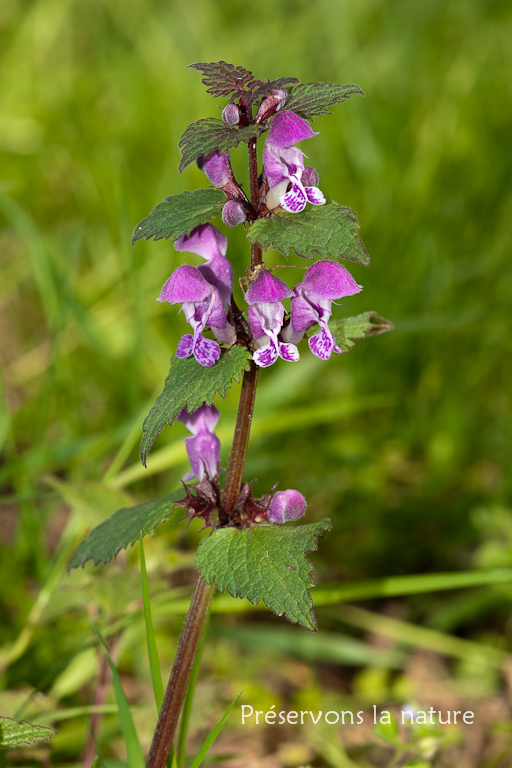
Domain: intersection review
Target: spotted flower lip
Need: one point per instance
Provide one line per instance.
(266, 315)
(285, 506)
(323, 282)
(203, 448)
(202, 305)
(284, 165)
(208, 242)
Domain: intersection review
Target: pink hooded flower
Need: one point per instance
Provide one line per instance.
(284, 164)
(202, 305)
(266, 315)
(323, 282)
(285, 506)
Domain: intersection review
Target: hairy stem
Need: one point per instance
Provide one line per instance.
(240, 439)
(182, 667)
(255, 195)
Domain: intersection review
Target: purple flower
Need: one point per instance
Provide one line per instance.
(217, 167)
(204, 447)
(231, 114)
(273, 102)
(284, 164)
(202, 305)
(323, 282)
(233, 213)
(286, 506)
(208, 242)
(266, 315)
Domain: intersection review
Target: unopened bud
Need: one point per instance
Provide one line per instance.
(271, 103)
(309, 177)
(286, 506)
(231, 114)
(217, 167)
(233, 213)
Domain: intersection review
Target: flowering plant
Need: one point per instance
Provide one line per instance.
(251, 552)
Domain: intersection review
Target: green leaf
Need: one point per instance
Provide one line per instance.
(311, 99)
(223, 79)
(20, 733)
(328, 231)
(210, 134)
(190, 385)
(351, 329)
(266, 563)
(124, 528)
(179, 214)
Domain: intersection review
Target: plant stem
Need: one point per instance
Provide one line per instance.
(240, 439)
(201, 599)
(182, 667)
(255, 194)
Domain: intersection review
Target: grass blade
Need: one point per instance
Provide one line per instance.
(131, 740)
(213, 735)
(154, 661)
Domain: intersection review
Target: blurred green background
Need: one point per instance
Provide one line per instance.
(404, 442)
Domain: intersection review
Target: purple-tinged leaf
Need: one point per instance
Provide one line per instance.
(223, 79)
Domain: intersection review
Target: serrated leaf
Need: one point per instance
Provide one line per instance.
(21, 733)
(189, 385)
(179, 214)
(265, 562)
(328, 231)
(351, 329)
(223, 79)
(124, 528)
(209, 134)
(310, 99)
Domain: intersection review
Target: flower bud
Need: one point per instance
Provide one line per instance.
(309, 177)
(285, 506)
(233, 213)
(231, 114)
(217, 167)
(271, 103)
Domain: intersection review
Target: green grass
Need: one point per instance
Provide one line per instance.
(404, 443)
